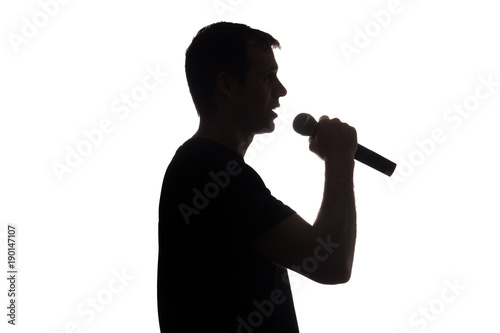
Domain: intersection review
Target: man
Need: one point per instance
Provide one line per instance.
(225, 243)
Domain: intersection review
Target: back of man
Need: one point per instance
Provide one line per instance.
(209, 280)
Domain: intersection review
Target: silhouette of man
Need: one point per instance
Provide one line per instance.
(225, 243)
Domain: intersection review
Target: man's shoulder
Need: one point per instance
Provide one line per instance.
(199, 161)
(202, 153)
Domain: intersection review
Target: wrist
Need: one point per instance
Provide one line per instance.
(339, 163)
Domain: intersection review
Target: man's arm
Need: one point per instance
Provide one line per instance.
(323, 251)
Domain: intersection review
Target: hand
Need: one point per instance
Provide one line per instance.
(334, 140)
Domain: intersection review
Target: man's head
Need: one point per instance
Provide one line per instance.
(232, 66)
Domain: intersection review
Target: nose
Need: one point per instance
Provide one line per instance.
(280, 90)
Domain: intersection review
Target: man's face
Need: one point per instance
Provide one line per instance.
(256, 100)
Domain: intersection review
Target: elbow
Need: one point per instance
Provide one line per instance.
(338, 275)
(341, 278)
(345, 276)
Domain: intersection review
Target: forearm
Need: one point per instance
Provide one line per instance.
(337, 215)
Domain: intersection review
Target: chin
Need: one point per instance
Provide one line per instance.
(268, 129)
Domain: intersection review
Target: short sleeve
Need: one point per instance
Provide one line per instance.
(258, 209)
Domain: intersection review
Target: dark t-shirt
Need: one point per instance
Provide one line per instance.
(212, 206)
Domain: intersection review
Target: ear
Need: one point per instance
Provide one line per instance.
(224, 84)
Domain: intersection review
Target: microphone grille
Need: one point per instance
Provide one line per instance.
(304, 124)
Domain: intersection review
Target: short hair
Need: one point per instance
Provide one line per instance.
(219, 47)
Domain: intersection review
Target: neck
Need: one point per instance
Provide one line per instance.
(225, 134)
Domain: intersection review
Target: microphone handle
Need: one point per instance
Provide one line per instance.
(374, 160)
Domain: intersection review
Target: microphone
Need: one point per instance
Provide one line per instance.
(305, 124)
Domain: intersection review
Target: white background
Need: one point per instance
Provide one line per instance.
(432, 224)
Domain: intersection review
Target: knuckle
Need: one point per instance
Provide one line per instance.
(322, 121)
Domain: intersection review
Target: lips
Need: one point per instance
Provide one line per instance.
(274, 114)
(273, 110)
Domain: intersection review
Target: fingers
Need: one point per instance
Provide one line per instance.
(333, 138)
(326, 119)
